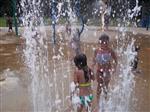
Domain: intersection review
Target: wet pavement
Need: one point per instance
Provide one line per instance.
(14, 89)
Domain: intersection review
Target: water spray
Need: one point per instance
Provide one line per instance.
(77, 12)
(54, 20)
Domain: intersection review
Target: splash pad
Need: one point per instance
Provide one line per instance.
(49, 69)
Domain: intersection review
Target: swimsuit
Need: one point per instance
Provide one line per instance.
(85, 84)
(85, 100)
(103, 58)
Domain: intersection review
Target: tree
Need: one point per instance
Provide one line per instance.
(5, 7)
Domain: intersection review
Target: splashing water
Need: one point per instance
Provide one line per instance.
(45, 95)
(135, 11)
(45, 86)
(120, 93)
(119, 97)
(36, 55)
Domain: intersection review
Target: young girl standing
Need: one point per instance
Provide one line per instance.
(103, 56)
(82, 79)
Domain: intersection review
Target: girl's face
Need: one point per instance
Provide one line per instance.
(103, 43)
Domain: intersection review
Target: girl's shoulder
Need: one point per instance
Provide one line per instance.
(78, 72)
(110, 49)
(97, 50)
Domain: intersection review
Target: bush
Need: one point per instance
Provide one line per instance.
(2, 22)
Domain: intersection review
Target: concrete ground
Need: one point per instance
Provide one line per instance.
(14, 96)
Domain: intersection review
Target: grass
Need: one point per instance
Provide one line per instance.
(2, 22)
(48, 21)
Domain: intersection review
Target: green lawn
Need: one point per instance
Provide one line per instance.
(2, 22)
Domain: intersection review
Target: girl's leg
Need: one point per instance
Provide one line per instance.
(106, 83)
(99, 90)
(107, 79)
(80, 108)
(89, 108)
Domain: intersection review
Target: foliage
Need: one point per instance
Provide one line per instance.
(5, 7)
(2, 22)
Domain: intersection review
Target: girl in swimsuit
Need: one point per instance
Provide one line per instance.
(103, 56)
(82, 79)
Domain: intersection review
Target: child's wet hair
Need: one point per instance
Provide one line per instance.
(104, 37)
(80, 60)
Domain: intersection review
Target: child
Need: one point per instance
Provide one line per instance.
(82, 79)
(134, 63)
(103, 56)
(10, 22)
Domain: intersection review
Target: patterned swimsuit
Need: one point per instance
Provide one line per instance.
(103, 58)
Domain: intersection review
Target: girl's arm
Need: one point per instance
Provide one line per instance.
(75, 77)
(75, 81)
(114, 57)
(74, 85)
